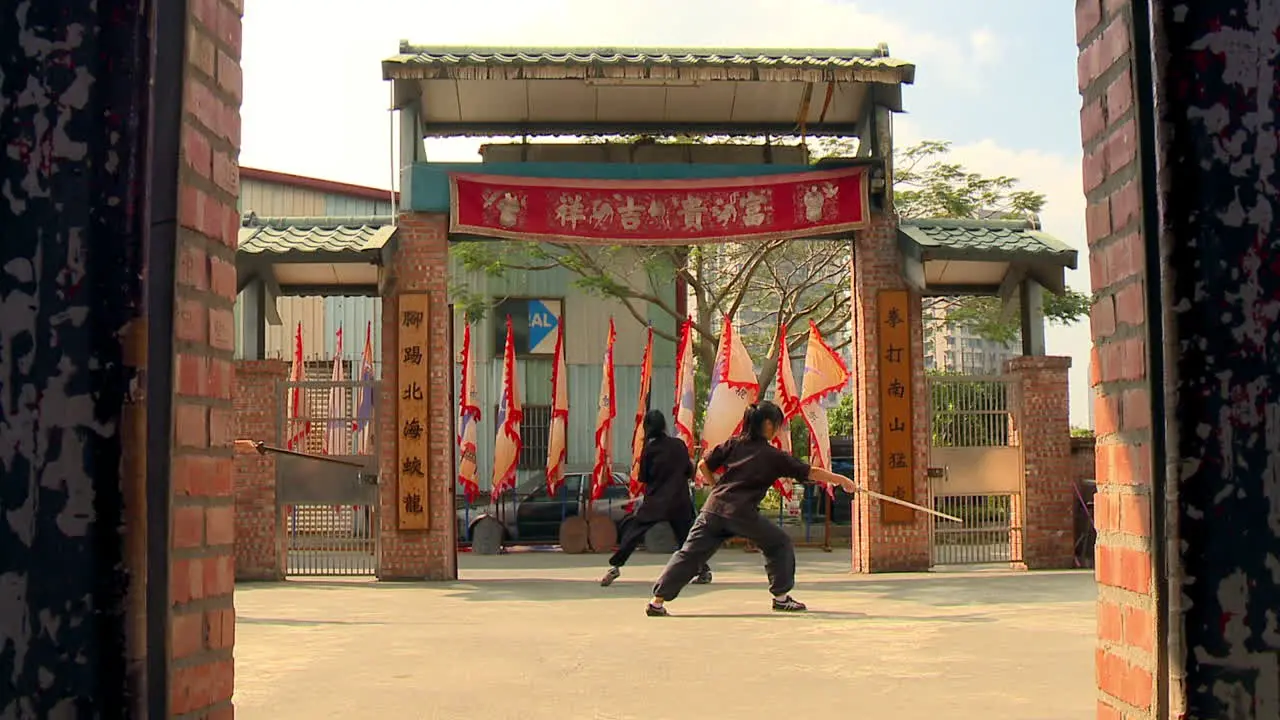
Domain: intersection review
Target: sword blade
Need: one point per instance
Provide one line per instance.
(913, 506)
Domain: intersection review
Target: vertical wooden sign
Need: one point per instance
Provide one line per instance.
(897, 458)
(411, 411)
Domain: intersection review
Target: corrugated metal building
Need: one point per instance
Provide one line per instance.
(585, 319)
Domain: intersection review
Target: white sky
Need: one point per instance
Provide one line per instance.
(315, 103)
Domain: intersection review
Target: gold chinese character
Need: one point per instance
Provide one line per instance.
(570, 211)
(692, 209)
(601, 212)
(413, 355)
(755, 208)
(897, 389)
(896, 425)
(630, 214)
(893, 354)
(412, 392)
(894, 318)
(897, 461)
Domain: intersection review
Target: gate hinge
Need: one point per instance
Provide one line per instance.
(368, 478)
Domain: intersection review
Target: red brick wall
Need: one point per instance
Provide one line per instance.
(1044, 431)
(1126, 623)
(878, 547)
(258, 402)
(420, 264)
(202, 563)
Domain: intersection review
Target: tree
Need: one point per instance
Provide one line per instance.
(928, 186)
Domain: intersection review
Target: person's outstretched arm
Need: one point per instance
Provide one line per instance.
(830, 478)
(708, 477)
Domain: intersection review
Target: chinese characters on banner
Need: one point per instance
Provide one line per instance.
(896, 445)
(660, 212)
(411, 411)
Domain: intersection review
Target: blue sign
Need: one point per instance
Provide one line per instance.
(544, 319)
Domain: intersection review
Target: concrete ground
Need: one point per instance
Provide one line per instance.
(532, 636)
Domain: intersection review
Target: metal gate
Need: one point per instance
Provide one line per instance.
(327, 490)
(975, 470)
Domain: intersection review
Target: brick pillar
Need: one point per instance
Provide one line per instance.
(420, 264)
(879, 546)
(1048, 501)
(202, 563)
(258, 402)
(1126, 660)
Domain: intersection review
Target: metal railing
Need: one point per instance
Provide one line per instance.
(331, 540)
(988, 534)
(971, 411)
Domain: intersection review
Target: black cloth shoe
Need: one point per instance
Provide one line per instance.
(703, 578)
(790, 604)
(610, 576)
(656, 611)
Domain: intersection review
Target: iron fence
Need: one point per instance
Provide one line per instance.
(971, 411)
(331, 540)
(987, 535)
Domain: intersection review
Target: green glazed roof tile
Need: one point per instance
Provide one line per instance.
(976, 239)
(309, 235)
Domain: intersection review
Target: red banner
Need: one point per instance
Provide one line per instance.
(659, 212)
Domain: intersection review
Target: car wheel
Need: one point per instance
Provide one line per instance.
(660, 539)
(487, 535)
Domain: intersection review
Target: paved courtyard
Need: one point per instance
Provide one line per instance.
(533, 637)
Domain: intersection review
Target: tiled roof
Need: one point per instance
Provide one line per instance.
(311, 235)
(985, 240)
(864, 65)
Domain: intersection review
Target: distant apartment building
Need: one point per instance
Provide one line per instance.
(958, 349)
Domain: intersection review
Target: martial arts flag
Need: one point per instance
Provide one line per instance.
(606, 411)
(363, 426)
(788, 398)
(642, 406)
(468, 421)
(684, 408)
(557, 434)
(507, 446)
(332, 444)
(824, 373)
(298, 429)
(734, 387)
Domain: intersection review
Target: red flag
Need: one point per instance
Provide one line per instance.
(788, 399)
(734, 386)
(606, 411)
(824, 373)
(642, 406)
(507, 446)
(297, 434)
(468, 420)
(683, 412)
(333, 434)
(557, 436)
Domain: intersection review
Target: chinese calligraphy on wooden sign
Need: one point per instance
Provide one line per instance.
(896, 442)
(663, 212)
(411, 411)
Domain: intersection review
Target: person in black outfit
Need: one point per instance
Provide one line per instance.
(750, 464)
(665, 470)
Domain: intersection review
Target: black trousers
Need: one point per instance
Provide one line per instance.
(707, 535)
(681, 522)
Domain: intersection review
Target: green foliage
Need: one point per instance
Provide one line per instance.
(927, 186)
(840, 417)
(1082, 432)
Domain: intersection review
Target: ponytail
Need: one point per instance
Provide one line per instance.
(754, 417)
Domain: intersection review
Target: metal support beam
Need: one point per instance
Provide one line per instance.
(253, 320)
(1032, 311)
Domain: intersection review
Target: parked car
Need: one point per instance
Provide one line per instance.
(529, 515)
